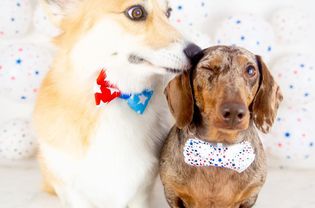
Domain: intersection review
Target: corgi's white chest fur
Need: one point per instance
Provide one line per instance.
(125, 144)
(120, 160)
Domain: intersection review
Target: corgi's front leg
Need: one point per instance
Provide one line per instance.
(141, 199)
(143, 196)
(71, 198)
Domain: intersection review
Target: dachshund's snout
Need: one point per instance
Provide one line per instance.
(233, 114)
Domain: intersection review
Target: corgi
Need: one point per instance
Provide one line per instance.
(96, 156)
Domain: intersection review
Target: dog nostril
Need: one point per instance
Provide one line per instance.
(192, 51)
(240, 116)
(226, 114)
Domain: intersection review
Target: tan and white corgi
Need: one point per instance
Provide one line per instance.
(107, 156)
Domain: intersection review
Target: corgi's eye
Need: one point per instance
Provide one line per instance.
(169, 12)
(136, 13)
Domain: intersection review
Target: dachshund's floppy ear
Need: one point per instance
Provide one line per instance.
(180, 99)
(58, 9)
(267, 99)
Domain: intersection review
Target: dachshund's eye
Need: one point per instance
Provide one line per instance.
(169, 12)
(136, 13)
(251, 71)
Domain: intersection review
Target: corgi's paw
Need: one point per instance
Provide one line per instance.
(141, 200)
(70, 198)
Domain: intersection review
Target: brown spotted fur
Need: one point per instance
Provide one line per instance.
(219, 77)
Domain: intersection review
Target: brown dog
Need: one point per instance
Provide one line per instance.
(230, 90)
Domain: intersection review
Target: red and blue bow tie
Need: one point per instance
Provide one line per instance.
(106, 92)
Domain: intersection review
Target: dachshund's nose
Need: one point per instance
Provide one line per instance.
(233, 113)
(193, 52)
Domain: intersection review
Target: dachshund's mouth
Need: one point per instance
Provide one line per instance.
(225, 134)
(226, 137)
(134, 59)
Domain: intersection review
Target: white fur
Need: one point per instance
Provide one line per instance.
(104, 44)
(121, 162)
(122, 159)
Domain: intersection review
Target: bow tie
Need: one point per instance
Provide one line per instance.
(237, 157)
(106, 92)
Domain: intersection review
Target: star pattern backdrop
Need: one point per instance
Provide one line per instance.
(282, 36)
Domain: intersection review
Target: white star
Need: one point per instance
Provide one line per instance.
(142, 99)
(112, 90)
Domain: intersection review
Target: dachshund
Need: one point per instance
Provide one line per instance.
(213, 157)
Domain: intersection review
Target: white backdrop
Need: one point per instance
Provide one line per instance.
(217, 10)
(21, 186)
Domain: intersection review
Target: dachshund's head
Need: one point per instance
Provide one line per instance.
(228, 88)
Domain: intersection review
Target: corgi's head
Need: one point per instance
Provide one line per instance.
(128, 38)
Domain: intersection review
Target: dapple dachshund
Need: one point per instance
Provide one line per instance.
(213, 157)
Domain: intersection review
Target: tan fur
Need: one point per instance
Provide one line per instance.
(219, 77)
(90, 12)
(63, 96)
(65, 107)
(47, 177)
(72, 113)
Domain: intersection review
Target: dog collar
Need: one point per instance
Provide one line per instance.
(237, 157)
(105, 92)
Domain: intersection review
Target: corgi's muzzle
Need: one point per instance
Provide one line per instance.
(167, 59)
(134, 59)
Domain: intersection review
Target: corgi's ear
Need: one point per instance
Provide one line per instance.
(58, 9)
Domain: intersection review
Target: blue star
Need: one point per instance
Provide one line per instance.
(18, 61)
(287, 134)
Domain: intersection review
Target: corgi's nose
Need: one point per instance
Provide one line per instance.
(193, 52)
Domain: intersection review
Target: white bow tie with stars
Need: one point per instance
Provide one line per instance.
(237, 157)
